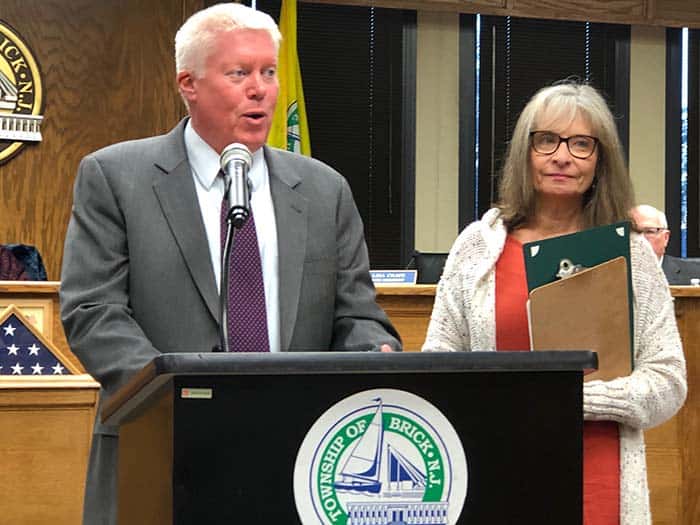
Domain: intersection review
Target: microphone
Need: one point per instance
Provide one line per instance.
(235, 163)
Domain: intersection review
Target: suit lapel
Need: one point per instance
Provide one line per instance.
(291, 214)
(670, 265)
(178, 201)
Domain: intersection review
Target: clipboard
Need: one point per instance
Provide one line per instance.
(586, 248)
(562, 258)
(587, 311)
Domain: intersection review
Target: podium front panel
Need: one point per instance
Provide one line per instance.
(235, 452)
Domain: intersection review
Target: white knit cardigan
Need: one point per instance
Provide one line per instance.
(464, 318)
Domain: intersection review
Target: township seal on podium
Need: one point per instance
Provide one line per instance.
(381, 457)
(21, 94)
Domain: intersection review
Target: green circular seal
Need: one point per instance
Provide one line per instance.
(380, 457)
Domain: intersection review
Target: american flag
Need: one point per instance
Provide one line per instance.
(23, 354)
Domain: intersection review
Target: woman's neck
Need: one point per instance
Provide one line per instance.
(551, 220)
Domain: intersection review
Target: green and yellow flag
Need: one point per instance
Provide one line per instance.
(290, 129)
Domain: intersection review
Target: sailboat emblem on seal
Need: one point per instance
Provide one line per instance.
(361, 470)
(381, 457)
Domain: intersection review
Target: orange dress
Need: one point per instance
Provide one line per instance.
(601, 440)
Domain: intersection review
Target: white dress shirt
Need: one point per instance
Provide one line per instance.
(210, 190)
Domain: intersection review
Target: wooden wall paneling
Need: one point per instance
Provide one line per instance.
(108, 74)
(669, 13)
(493, 7)
(675, 13)
(616, 11)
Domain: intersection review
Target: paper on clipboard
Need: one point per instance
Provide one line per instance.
(587, 311)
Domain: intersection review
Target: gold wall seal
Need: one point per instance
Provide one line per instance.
(21, 94)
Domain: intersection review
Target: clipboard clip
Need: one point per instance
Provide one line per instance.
(567, 268)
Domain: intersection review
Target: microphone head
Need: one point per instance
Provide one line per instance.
(235, 152)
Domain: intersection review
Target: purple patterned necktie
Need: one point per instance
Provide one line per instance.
(247, 316)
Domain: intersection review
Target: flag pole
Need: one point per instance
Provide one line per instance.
(252, 4)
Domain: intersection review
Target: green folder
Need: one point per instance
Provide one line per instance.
(547, 260)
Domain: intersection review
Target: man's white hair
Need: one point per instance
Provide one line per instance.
(645, 210)
(194, 40)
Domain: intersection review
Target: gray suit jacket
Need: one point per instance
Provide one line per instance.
(680, 271)
(137, 279)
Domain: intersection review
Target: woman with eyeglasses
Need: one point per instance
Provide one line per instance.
(564, 172)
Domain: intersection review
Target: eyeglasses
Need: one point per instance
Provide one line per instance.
(546, 143)
(652, 231)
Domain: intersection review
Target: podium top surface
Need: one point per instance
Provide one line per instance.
(352, 362)
(166, 366)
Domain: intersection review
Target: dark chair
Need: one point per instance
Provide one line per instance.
(30, 257)
(429, 266)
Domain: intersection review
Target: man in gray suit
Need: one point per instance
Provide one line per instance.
(141, 263)
(653, 224)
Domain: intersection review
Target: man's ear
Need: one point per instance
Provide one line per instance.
(186, 85)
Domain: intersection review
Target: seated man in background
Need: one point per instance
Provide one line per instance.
(11, 268)
(653, 224)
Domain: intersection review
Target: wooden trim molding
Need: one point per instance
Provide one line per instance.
(667, 13)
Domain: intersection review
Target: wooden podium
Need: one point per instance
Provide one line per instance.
(45, 420)
(212, 438)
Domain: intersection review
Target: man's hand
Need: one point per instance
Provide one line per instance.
(386, 348)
